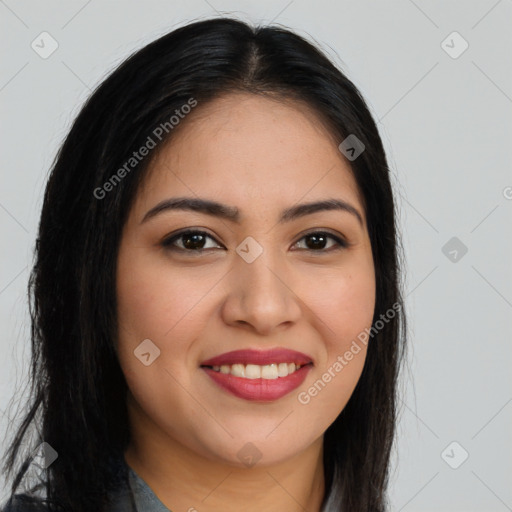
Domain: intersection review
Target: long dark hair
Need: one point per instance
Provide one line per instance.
(77, 386)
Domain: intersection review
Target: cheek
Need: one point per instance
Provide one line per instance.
(352, 307)
(156, 300)
(165, 305)
(344, 308)
(345, 304)
(161, 305)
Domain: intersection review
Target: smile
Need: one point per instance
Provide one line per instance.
(258, 375)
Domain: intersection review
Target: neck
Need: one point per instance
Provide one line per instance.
(184, 480)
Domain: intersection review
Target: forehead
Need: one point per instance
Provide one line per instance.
(244, 148)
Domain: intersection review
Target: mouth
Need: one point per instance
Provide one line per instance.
(258, 375)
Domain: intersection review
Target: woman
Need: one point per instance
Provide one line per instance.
(217, 321)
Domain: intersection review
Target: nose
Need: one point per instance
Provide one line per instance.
(260, 296)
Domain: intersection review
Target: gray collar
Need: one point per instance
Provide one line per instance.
(143, 496)
(134, 495)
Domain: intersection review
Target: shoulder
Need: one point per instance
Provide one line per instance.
(24, 503)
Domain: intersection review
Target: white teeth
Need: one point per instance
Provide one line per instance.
(254, 371)
(282, 369)
(269, 371)
(238, 370)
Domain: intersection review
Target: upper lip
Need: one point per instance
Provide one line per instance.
(259, 357)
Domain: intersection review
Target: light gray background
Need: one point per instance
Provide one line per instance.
(446, 126)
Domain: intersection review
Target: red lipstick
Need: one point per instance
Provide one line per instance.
(259, 389)
(260, 357)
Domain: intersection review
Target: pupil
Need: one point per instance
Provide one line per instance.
(191, 245)
(317, 237)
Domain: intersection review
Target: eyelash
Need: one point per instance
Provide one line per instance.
(168, 243)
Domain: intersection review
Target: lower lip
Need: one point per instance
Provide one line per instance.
(261, 390)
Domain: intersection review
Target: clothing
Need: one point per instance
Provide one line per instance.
(139, 497)
(136, 497)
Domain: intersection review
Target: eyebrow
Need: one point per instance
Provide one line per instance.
(231, 213)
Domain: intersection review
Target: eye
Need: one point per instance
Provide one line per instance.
(318, 239)
(193, 241)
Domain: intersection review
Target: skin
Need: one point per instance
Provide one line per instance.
(262, 156)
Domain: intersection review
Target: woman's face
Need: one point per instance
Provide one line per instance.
(267, 286)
